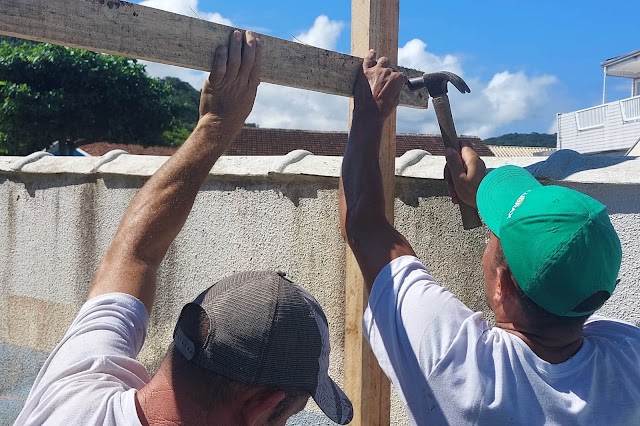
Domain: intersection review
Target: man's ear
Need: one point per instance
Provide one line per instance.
(506, 283)
(259, 404)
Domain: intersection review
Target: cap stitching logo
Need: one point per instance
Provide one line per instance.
(517, 204)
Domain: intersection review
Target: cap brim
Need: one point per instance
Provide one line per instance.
(499, 191)
(333, 401)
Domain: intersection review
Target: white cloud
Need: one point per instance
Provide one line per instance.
(508, 98)
(288, 108)
(285, 107)
(324, 33)
(414, 54)
(186, 7)
(193, 77)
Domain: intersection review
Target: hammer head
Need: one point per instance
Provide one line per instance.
(436, 83)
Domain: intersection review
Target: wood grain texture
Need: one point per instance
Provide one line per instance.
(140, 32)
(374, 25)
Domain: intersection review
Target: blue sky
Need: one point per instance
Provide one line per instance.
(525, 61)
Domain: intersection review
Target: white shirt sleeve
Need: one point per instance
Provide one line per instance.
(109, 325)
(87, 377)
(410, 323)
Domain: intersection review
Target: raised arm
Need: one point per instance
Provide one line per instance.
(159, 210)
(374, 241)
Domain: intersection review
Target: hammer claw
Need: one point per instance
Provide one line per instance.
(458, 82)
(436, 85)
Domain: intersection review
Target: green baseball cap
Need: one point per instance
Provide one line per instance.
(559, 243)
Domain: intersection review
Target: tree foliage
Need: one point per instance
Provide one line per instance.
(543, 140)
(184, 101)
(50, 93)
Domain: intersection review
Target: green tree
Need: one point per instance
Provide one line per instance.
(542, 140)
(184, 101)
(50, 93)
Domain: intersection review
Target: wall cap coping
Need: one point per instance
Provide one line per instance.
(564, 165)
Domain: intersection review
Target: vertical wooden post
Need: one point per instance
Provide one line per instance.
(374, 25)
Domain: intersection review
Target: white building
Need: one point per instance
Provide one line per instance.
(612, 127)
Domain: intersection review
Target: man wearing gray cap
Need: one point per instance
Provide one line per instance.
(249, 350)
(552, 259)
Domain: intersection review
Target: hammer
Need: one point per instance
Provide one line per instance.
(436, 85)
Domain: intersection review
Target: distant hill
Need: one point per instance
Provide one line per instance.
(544, 140)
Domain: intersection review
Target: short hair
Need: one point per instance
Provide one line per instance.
(539, 316)
(291, 397)
(208, 388)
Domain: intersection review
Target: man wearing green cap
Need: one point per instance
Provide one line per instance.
(552, 259)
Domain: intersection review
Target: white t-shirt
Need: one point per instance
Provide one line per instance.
(451, 367)
(91, 377)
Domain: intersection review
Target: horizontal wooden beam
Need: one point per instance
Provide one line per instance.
(135, 31)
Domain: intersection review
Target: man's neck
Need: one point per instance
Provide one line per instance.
(555, 345)
(159, 403)
(155, 408)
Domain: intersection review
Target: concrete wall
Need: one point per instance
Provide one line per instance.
(58, 215)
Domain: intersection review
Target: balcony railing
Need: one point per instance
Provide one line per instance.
(591, 118)
(614, 126)
(630, 109)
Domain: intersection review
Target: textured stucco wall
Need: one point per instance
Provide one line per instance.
(57, 217)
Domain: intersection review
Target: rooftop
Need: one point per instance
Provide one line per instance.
(269, 142)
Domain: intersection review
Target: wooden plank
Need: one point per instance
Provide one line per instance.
(135, 31)
(374, 25)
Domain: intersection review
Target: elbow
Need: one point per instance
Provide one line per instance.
(358, 225)
(343, 230)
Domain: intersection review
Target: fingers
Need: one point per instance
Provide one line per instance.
(240, 59)
(465, 170)
(450, 187)
(455, 163)
(474, 164)
(219, 66)
(234, 58)
(380, 80)
(249, 52)
(391, 90)
(369, 59)
(384, 62)
(256, 71)
(467, 152)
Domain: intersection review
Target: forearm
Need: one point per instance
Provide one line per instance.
(157, 214)
(159, 210)
(361, 190)
(372, 238)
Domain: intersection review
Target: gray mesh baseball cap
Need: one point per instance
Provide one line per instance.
(264, 330)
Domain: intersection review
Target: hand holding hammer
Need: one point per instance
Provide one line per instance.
(436, 84)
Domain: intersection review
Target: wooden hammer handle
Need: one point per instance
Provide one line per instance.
(470, 217)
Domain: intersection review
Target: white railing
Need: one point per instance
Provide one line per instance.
(630, 109)
(591, 118)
